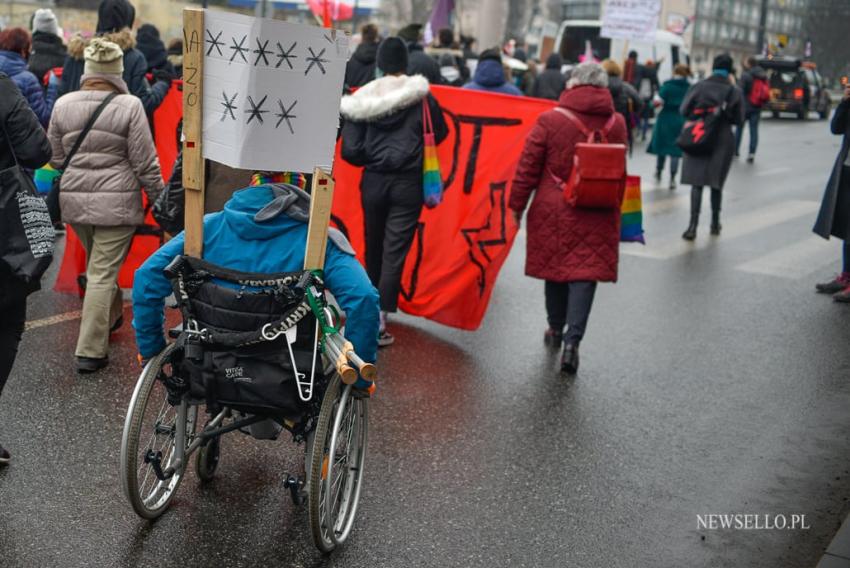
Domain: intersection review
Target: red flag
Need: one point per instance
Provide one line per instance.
(461, 245)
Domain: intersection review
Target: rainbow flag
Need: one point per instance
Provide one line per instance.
(631, 222)
(44, 179)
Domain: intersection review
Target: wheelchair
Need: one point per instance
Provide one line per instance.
(255, 351)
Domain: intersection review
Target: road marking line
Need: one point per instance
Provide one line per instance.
(738, 226)
(796, 260)
(773, 171)
(53, 320)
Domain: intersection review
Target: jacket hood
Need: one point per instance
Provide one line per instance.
(151, 46)
(384, 96)
(489, 73)
(366, 53)
(554, 61)
(588, 99)
(123, 38)
(100, 79)
(239, 214)
(12, 63)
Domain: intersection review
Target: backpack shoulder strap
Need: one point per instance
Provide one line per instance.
(575, 120)
(609, 125)
(86, 129)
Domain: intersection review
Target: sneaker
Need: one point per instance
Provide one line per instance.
(5, 457)
(91, 364)
(751, 158)
(843, 296)
(385, 338)
(553, 338)
(834, 286)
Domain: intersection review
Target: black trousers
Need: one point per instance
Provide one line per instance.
(568, 304)
(391, 207)
(12, 319)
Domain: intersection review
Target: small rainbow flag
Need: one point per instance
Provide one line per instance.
(631, 222)
(44, 179)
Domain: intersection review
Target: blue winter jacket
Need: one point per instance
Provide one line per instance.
(15, 66)
(490, 76)
(233, 239)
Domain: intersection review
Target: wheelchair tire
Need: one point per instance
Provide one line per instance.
(206, 462)
(151, 421)
(342, 431)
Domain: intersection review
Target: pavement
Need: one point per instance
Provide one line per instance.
(714, 381)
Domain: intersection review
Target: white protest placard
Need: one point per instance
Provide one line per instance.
(271, 92)
(631, 19)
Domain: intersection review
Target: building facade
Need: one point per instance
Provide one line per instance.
(732, 26)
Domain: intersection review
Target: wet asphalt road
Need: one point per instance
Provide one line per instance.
(713, 380)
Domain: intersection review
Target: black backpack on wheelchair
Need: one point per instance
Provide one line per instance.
(249, 341)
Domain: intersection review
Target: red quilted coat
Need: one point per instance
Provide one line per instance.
(566, 243)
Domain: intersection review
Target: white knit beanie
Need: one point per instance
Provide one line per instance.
(104, 57)
(44, 21)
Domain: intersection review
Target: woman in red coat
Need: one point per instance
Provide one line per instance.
(570, 248)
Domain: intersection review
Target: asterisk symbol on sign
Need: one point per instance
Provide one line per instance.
(228, 105)
(285, 55)
(284, 115)
(261, 51)
(256, 110)
(214, 43)
(316, 60)
(240, 48)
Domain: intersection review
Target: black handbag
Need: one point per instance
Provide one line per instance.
(700, 132)
(53, 196)
(169, 207)
(26, 232)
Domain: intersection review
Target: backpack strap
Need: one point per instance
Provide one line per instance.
(603, 132)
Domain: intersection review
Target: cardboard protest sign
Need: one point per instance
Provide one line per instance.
(271, 92)
(631, 19)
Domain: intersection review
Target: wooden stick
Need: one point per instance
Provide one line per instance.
(193, 123)
(321, 199)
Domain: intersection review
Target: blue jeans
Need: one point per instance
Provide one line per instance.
(753, 120)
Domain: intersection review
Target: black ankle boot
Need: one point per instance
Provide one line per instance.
(715, 223)
(569, 359)
(691, 232)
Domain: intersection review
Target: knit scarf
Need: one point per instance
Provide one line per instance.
(294, 178)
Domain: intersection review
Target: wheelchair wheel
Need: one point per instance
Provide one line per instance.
(336, 469)
(207, 459)
(150, 432)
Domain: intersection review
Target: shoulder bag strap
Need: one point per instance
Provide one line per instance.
(427, 126)
(86, 129)
(11, 147)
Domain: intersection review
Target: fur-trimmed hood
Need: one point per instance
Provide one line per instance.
(383, 97)
(124, 39)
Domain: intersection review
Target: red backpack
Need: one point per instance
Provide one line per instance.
(598, 177)
(759, 93)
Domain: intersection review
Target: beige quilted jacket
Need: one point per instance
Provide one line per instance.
(102, 185)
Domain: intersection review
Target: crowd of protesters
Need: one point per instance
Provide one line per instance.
(84, 109)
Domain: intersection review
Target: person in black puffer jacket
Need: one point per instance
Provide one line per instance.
(419, 62)
(361, 67)
(151, 46)
(32, 149)
(48, 51)
(114, 20)
(383, 133)
(550, 84)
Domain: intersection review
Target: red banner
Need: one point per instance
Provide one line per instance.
(460, 245)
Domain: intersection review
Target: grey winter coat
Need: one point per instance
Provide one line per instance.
(834, 216)
(711, 170)
(103, 181)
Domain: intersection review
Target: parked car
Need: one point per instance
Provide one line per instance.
(795, 87)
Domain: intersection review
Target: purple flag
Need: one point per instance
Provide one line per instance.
(439, 18)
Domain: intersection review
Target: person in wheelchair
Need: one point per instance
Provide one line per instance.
(262, 229)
